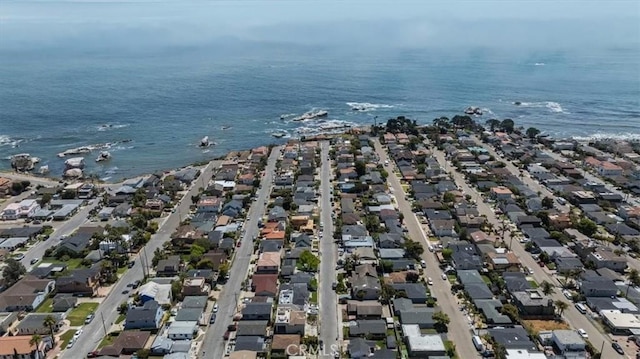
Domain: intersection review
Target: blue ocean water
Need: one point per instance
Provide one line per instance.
(164, 100)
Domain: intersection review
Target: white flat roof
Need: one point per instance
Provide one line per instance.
(621, 320)
(524, 354)
(426, 343)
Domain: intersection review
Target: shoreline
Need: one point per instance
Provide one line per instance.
(47, 178)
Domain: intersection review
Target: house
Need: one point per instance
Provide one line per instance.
(250, 343)
(268, 263)
(593, 285)
(533, 303)
(621, 323)
(20, 347)
(512, 338)
(515, 281)
(569, 343)
(182, 330)
(502, 260)
(416, 292)
(443, 228)
(464, 256)
(195, 302)
(372, 329)
(75, 244)
(64, 302)
(420, 316)
(265, 284)
(423, 345)
(128, 342)
(289, 321)
(80, 282)
(252, 328)
(32, 323)
(26, 294)
(371, 309)
(609, 169)
(603, 258)
(161, 293)
(195, 286)
(365, 284)
(148, 316)
(257, 311)
(168, 267)
(284, 345)
(501, 193)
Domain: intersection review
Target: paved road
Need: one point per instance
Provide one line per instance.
(60, 229)
(459, 329)
(329, 330)
(525, 177)
(107, 313)
(213, 343)
(575, 318)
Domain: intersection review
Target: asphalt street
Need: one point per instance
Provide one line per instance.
(573, 317)
(213, 345)
(459, 327)
(107, 313)
(330, 325)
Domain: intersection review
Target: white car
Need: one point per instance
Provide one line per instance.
(430, 248)
(444, 276)
(215, 308)
(583, 333)
(423, 263)
(70, 345)
(77, 334)
(430, 281)
(567, 294)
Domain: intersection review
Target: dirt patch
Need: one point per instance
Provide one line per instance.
(539, 325)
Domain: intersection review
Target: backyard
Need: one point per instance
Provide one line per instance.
(79, 314)
(46, 306)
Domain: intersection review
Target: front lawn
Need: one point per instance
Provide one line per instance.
(46, 306)
(314, 298)
(120, 318)
(79, 314)
(533, 284)
(65, 338)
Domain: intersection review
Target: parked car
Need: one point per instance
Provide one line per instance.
(93, 354)
(19, 257)
(444, 276)
(423, 263)
(126, 291)
(215, 308)
(430, 281)
(89, 318)
(583, 333)
(77, 334)
(34, 260)
(131, 264)
(212, 319)
(618, 348)
(70, 345)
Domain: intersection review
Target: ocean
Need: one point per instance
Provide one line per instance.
(153, 105)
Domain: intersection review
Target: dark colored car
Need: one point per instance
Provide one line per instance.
(212, 319)
(126, 291)
(93, 354)
(617, 348)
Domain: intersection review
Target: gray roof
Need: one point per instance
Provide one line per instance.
(257, 308)
(251, 343)
(413, 290)
(188, 315)
(252, 328)
(195, 302)
(364, 327)
(35, 320)
(513, 338)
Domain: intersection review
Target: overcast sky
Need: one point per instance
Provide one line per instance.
(399, 22)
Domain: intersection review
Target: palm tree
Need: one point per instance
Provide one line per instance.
(634, 279)
(35, 341)
(561, 306)
(547, 288)
(503, 228)
(50, 322)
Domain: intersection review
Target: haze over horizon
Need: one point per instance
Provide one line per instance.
(358, 25)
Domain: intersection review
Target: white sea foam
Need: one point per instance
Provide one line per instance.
(604, 135)
(110, 126)
(8, 141)
(366, 106)
(539, 64)
(550, 105)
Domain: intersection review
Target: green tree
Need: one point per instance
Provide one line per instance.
(511, 311)
(387, 292)
(449, 197)
(507, 125)
(413, 249)
(12, 271)
(223, 270)
(493, 124)
(35, 340)
(547, 288)
(45, 199)
(634, 279)
(532, 132)
(587, 227)
(308, 262)
(441, 321)
(447, 253)
(361, 168)
(412, 277)
(547, 202)
(50, 323)
(561, 306)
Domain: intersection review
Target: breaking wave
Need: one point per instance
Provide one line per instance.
(109, 126)
(550, 105)
(614, 136)
(366, 106)
(539, 64)
(8, 141)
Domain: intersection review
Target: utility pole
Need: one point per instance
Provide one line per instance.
(104, 327)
